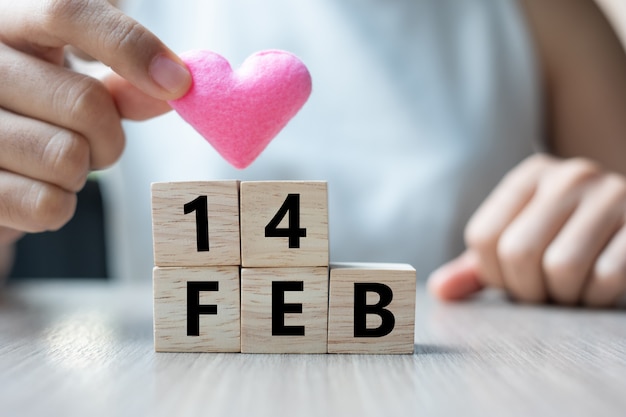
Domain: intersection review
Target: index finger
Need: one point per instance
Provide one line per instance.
(102, 31)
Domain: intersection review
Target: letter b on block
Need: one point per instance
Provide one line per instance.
(371, 308)
(362, 309)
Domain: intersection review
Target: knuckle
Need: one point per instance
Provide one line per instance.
(560, 267)
(55, 11)
(52, 207)
(609, 276)
(85, 99)
(516, 252)
(480, 238)
(516, 179)
(127, 33)
(519, 177)
(68, 156)
(579, 170)
(582, 166)
(538, 160)
(570, 175)
(617, 184)
(90, 106)
(565, 274)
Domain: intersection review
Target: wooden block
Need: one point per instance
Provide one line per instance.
(196, 223)
(196, 309)
(284, 310)
(284, 223)
(371, 308)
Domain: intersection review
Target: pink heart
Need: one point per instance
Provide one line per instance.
(240, 112)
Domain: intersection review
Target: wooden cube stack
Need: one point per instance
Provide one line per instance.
(244, 267)
(196, 252)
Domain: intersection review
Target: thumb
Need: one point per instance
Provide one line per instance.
(103, 32)
(456, 280)
(131, 102)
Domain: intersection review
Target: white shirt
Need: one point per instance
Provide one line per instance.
(418, 108)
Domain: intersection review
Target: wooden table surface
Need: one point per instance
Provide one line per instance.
(86, 349)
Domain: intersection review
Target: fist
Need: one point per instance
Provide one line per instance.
(553, 230)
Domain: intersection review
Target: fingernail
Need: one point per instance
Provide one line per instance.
(169, 74)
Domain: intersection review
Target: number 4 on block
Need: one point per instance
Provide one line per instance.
(284, 223)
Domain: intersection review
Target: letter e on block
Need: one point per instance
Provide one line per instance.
(196, 309)
(284, 310)
(371, 308)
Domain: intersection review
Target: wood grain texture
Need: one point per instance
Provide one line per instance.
(217, 332)
(400, 279)
(256, 310)
(75, 349)
(260, 201)
(174, 232)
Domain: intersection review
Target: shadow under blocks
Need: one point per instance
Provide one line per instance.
(244, 267)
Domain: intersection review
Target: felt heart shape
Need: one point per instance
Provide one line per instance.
(240, 112)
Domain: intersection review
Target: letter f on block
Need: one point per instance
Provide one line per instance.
(194, 308)
(362, 309)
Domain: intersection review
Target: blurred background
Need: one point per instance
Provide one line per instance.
(79, 250)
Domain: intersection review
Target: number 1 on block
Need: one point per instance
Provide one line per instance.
(208, 238)
(200, 206)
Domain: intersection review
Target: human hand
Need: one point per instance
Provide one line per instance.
(7, 251)
(55, 124)
(552, 230)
